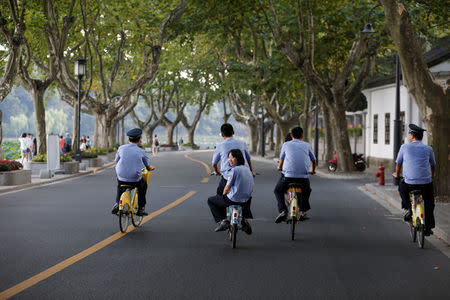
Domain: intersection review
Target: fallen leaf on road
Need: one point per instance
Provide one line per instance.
(436, 268)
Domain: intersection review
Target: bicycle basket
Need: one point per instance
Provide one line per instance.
(146, 175)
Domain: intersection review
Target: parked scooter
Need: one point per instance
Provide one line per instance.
(358, 161)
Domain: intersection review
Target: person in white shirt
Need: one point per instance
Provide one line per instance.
(24, 147)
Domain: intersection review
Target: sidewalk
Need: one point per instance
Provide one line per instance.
(37, 181)
(387, 193)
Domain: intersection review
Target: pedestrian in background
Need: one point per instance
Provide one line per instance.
(68, 141)
(34, 145)
(62, 145)
(23, 147)
(82, 145)
(155, 145)
(30, 146)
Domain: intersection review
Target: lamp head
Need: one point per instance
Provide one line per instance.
(80, 67)
(368, 29)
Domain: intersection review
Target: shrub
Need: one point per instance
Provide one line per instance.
(355, 131)
(9, 165)
(190, 145)
(112, 149)
(147, 145)
(11, 150)
(43, 158)
(167, 145)
(65, 157)
(97, 151)
(87, 154)
(40, 158)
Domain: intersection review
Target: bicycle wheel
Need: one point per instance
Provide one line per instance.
(293, 223)
(332, 167)
(421, 237)
(123, 219)
(230, 233)
(234, 235)
(413, 232)
(135, 219)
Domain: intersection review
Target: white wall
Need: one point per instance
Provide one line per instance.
(381, 100)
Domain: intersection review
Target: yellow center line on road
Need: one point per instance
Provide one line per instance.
(208, 170)
(12, 291)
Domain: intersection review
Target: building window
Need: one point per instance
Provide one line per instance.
(402, 118)
(375, 129)
(387, 128)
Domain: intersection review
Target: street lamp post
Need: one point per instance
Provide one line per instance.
(80, 71)
(397, 121)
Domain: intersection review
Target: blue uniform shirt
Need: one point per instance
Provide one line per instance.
(297, 157)
(416, 159)
(221, 154)
(240, 179)
(130, 161)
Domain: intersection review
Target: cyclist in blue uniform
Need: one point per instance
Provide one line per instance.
(418, 164)
(295, 159)
(238, 190)
(221, 154)
(130, 160)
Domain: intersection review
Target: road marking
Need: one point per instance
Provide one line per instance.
(12, 291)
(206, 179)
(208, 170)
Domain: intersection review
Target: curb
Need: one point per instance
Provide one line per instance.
(79, 174)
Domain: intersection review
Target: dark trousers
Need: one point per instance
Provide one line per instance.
(282, 187)
(221, 186)
(219, 203)
(142, 190)
(428, 199)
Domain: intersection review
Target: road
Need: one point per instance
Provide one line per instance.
(351, 248)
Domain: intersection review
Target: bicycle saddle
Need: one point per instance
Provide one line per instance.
(127, 186)
(293, 184)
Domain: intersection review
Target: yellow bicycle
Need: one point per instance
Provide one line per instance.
(128, 204)
(292, 203)
(417, 224)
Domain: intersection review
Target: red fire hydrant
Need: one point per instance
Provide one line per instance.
(380, 174)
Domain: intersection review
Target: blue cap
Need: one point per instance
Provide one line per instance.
(134, 133)
(415, 128)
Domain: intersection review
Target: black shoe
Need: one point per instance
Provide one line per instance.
(281, 217)
(223, 225)
(428, 232)
(141, 212)
(407, 217)
(115, 209)
(246, 227)
(303, 217)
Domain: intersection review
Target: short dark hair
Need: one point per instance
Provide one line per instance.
(236, 153)
(24, 135)
(227, 129)
(297, 132)
(134, 139)
(417, 135)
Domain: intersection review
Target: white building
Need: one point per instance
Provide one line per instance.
(379, 119)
